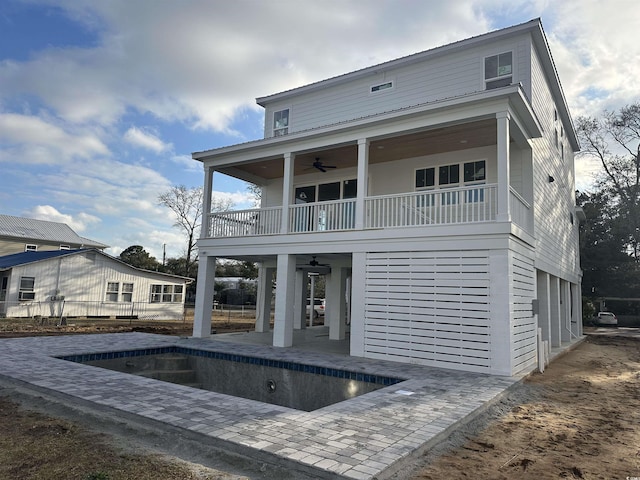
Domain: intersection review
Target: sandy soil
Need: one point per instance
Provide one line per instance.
(580, 419)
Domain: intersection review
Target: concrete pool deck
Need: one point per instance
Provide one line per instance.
(367, 437)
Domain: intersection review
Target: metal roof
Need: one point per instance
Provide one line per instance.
(32, 229)
(22, 258)
(17, 259)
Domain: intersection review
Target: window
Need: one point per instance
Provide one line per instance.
(127, 292)
(113, 288)
(449, 174)
(498, 70)
(381, 87)
(281, 123)
(27, 288)
(65, 247)
(166, 293)
(30, 248)
(425, 178)
(474, 171)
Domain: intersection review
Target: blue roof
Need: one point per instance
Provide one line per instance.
(10, 261)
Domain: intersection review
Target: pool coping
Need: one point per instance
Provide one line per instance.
(365, 437)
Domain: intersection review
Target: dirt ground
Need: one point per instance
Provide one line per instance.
(580, 419)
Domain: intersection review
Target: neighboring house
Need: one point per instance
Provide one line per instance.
(19, 234)
(435, 191)
(86, 283)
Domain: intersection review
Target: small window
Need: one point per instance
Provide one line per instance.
(30, 248)
(27, 289)
(425, 178)
(281, 123)
(65, 247)
(127, 292)
(113, 288)
(498, 70)
(449, 174)
(474, 171)
(382, 87)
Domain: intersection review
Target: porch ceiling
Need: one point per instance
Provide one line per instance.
(425, 142)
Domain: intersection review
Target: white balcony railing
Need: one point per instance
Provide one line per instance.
(242, 223)
(322, 216)
(521, 213)
(471, 204)
(433, 207)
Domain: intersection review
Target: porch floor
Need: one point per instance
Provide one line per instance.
(365, 437)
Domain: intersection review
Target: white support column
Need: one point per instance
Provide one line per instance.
(500, 278)
(263, 307)
(336, 289)
(358, 291)
(502, 120)
(300, 305)
(565, 312)
(204, 296)
(362, 181)
(576, 310)
(287, 190)
(554, 308)
(285, 290)
(312, 293)
(544, 305)
(207, 192)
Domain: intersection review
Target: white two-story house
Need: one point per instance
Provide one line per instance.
(434, 191)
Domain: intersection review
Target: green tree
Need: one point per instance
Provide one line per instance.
(608, 269)
(614, 140)
(137, 256)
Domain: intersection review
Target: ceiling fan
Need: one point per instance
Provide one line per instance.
(321, 166)
(314, 263)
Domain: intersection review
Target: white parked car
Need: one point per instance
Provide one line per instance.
(318, 307)
(607, 319)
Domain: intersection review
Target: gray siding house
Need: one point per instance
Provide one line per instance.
(435, 192)
(19, 234)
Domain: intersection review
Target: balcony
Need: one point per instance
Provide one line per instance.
(467, 205)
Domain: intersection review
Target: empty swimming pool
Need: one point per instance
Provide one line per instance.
(290, 384)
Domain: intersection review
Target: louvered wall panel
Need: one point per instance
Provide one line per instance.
(524, 328)
(429, 307)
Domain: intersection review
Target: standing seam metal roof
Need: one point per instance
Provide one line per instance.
(32, 229)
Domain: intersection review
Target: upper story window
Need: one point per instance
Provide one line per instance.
(498, 70)
(30, 248)
(281, 122)
(381, 87)
(474, 173)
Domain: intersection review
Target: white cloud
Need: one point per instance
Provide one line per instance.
(78, 222)
(140, 138)
(37, 140)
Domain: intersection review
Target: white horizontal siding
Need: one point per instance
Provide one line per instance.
(428, 307)
(556, 236)
(435, 78)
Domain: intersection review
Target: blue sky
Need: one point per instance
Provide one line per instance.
(103, 102)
